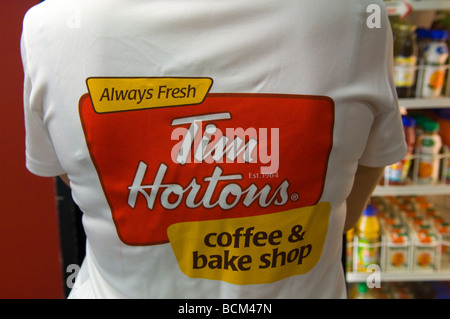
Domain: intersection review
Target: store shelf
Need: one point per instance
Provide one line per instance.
(412, 190)
(418, 13)
(410, 276)
(401, 7)
(429, 103)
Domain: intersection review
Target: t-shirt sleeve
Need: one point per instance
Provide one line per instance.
(386, 143)
(41, 158)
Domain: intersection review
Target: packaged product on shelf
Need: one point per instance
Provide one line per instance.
(402, 204)
(368, 239)
(397, 173)
(428, 148)
(392, 223)
(405, 58)
(420, 226)
(397, 249)
(416, 237)
(424, 239)
(393, 174)
(425, 252)
(435, 60)
(423, 206)
(409, 127)
(408, 214)
(396, 243)
(443, 227)
(401, 234)
(445, 252)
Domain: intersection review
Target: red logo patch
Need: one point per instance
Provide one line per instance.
(233, 155)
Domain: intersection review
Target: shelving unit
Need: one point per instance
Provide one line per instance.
(432, 103)
(439, 190)
(406, 190)
(412, 190)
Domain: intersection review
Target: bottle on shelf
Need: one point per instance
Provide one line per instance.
(435, 59)
(368, 239)
(349, 249)
(397, 173)
(405, 58)
(429, 146)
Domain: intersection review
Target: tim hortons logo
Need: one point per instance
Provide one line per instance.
(213, 146)
(230, 156)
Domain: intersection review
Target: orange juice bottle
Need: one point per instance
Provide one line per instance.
(429, 146)
(369, 239)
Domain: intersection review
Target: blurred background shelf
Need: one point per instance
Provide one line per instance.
(423, 5)
(429, 103)
(429, 5)
(412, 190)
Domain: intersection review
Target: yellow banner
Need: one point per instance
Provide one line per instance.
(252, 250)
(117, 94)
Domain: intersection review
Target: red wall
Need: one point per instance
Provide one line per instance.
(29, 242)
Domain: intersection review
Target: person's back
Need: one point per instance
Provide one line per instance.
(211, 145)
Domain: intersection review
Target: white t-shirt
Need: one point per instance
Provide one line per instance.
(210, 144)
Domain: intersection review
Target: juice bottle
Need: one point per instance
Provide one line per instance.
(405, 59)
(429, 145)
(349, 250)
(435, 58)
(397, 173)
(369, 239)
